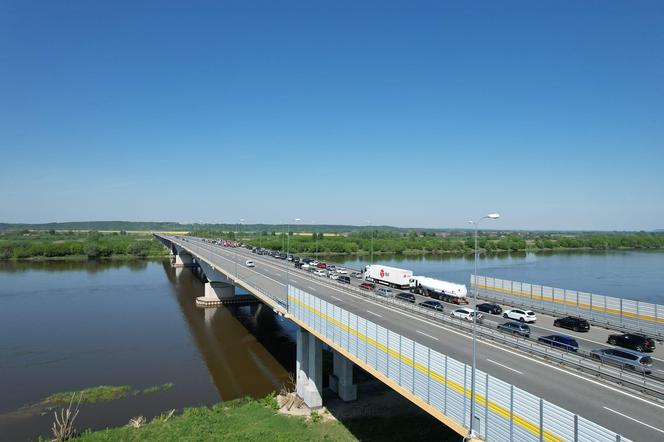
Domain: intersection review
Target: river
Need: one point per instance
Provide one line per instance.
(66, 326)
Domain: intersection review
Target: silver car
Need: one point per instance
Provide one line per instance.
(382, 291)
(624, 357)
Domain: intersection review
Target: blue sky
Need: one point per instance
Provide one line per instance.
(402, 113)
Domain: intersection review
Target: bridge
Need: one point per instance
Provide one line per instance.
(518, 395)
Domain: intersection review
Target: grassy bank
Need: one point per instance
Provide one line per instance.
(242, 419)
(50, 245)
(255, 420)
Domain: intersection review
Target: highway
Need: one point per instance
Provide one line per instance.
(628, 413)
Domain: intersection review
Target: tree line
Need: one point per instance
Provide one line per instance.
(91, 245)
(395, 242)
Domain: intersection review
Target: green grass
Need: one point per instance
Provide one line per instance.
(158, 388)
(102, 393)
(238, 420)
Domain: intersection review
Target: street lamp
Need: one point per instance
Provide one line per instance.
(237, 228)
(369, 223)
(471, 431)
(288, 253)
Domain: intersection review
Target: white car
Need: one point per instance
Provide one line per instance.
(314, 263)
(520, 315)
(305, 266)
(466, 314)
(249, 263)
(332, 275)
(341, 271)
(320, 272)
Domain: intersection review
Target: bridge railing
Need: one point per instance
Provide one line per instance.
(502, 411)
(625, 314)
(581, 360)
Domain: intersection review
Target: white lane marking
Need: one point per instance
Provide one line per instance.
(375, 314)
(488, 344)
(312, 288)
(334, 297)
(427, 335)
(504, 366)
(632, 419)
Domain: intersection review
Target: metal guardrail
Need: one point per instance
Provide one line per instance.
(502, 411)
(623, 314)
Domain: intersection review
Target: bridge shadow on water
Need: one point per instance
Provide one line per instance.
(249, 350)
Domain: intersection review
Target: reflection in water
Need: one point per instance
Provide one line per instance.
(237, 361)
(70, 325)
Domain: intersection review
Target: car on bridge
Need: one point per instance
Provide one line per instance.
(520, 315)
(332, 275)
(405, 296)
(490, 307)
(572, 323)
(356, 275)
(466, 314)
(367, 286)
(561, 341)
(633, 341)
(320, 272)
(516, 328)
(249, 263)
(434, 305)
(384, 291)
(344, 278)
(624, 358)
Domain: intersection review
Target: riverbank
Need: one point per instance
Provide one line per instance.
(78, 246)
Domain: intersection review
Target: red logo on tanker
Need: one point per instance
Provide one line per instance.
(382, 273)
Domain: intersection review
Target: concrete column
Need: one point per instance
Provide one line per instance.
(312, 392)
(215, 293)
(302, 361)
(341, 379)
(183, 260)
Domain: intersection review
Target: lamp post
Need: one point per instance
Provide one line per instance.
(471, 431)
(237, 228)
(295, 220)
(369, 223)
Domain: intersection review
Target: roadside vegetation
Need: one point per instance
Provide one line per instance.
(103, 393)
(414, 242)
(52, 244)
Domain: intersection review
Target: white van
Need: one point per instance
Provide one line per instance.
(250, 263)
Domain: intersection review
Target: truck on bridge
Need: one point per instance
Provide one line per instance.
(390, 276)
(439, 289)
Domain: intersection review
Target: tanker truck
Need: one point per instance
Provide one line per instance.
(438, 289)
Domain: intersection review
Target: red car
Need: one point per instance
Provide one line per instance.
(322, 265)
(367, 286)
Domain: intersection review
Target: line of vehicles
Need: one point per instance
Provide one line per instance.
(382, 280)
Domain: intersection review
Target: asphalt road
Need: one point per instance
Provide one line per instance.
(628, 413)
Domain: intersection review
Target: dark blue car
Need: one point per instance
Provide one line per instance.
(565, 342)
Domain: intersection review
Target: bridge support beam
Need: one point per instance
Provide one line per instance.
(215, 294)
(341, 379)
(309, 368)
(184, 260)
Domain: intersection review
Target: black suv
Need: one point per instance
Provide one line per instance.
(572, 323)
(434, 305)
(635, 342)
(405, 296)
(490, 307)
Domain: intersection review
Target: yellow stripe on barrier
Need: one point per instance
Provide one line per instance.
(480, 399)
(585, 306)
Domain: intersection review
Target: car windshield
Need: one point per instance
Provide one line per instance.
(646, 360)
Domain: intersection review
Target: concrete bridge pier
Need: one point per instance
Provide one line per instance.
(341, 379)
(184, 260)
(216, 293)
(309, 368)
